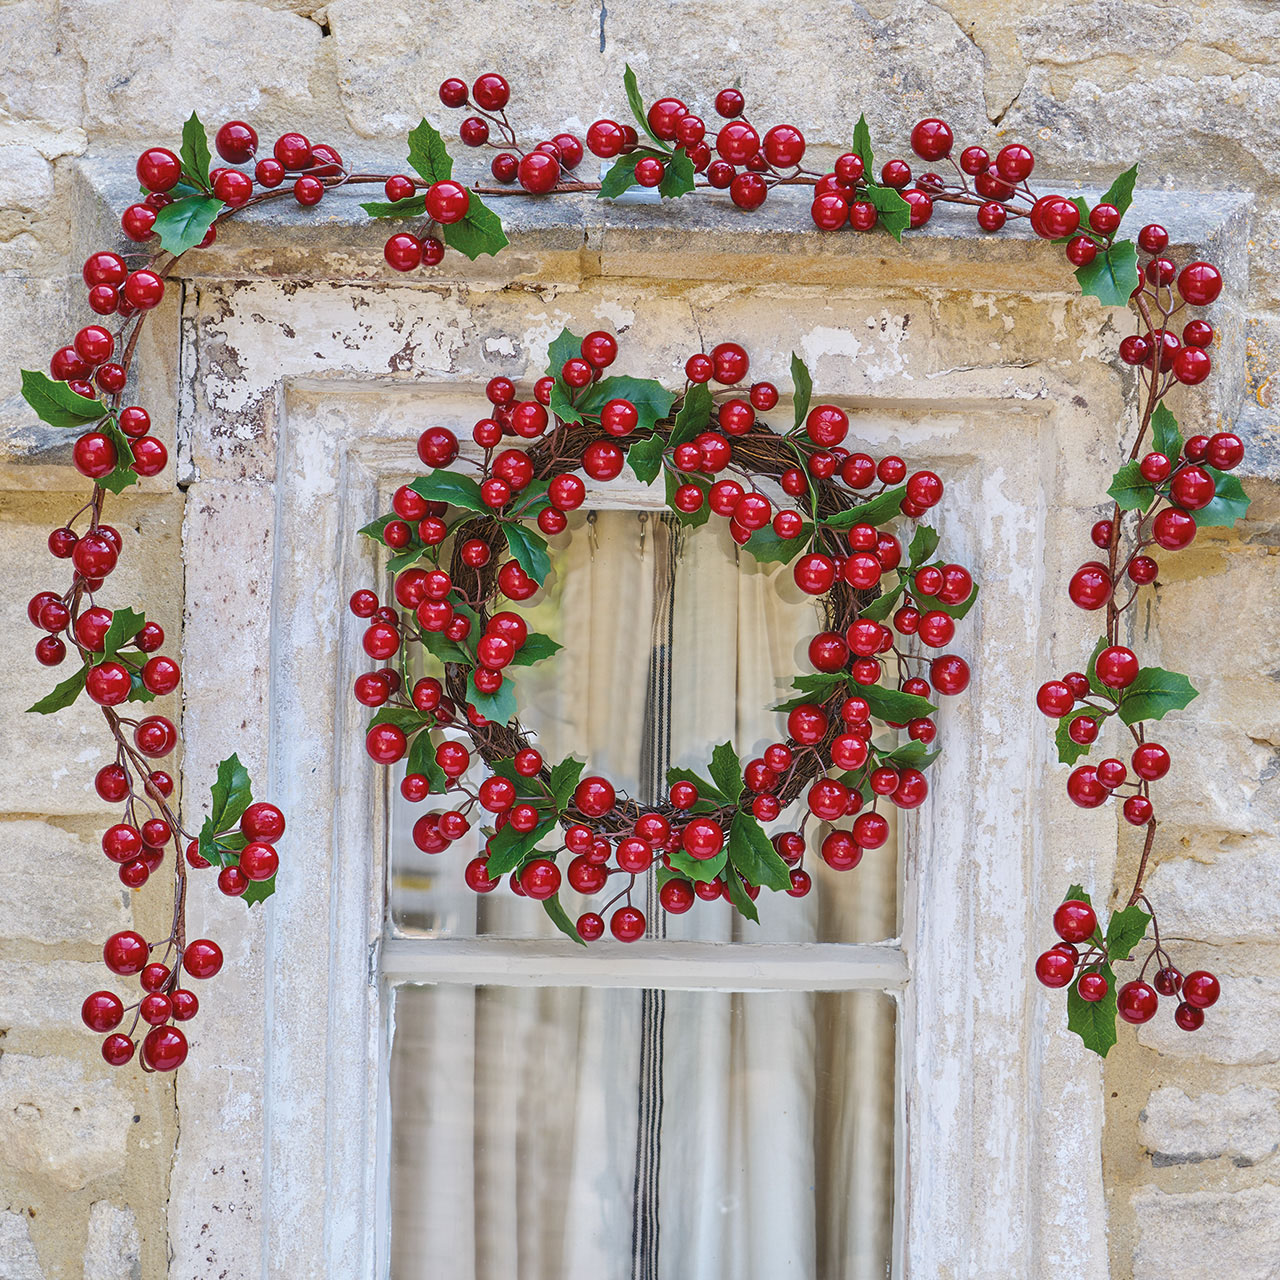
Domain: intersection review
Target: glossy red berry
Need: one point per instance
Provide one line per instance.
(627, 924)
(1200, 989)
(1136, 1002)
(1056, 967)
(159, 169)
(1075, 921)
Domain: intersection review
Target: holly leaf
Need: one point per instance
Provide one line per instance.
(636, 102)
(893, 706)
(138, 692)
(1112, 276)
(1131, 490)
(677, 181)
(448, 486)
(694, 415)
(194, 152)
(1076, 893)
(924, 542)
(879, 510)
(956, 611)
(1154, 693)
(1230, 502)
(63, 695)
(707, 790)
(408, 719)
(125, 625)
(509, 847)
(535, 648)
(802, 381)
(529, 550)
(1125, 930)
(124, 475)
(428, 154)
(1096, 687)
(498, 707)
(767, 547)
(1069, 750)
(440, 646)
(621, 176)
(644, 457)
(913, 755)
(1165, 436)
(422, 759)
(882, 606)
(726, 771)
(693, 869)
(739, 897)
(375, 529)
(526, 788)
(55, 402)
(184, 223)
(690, 520)
(894, 211)
(862, 145)
(812, 689)
(561, 921)
(1094, 1021)
(567, 346)
(652, 400)
(410, 207)
(258, 891)
(1120, 193)
(564, 780)
(231, 796)
(752, 853)
(479, 232)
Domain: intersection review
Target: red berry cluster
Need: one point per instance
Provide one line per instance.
(827, 762)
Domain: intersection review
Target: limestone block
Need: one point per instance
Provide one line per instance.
(1204, 1235)
(57, 1124)
(39, 996)
(114, 1248)
(26, 178)
(1222, 893)
(1242, 1123)
(18, 1259)
(57, 887)
(1082, 32)
(31, 37)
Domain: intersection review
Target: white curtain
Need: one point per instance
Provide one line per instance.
(563, 1133)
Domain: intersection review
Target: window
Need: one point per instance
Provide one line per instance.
(717, 1103)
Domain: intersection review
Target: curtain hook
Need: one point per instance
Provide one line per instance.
(592, 540)
(644, 529)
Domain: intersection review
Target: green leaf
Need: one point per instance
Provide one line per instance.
(124, 475)
(1076, 893)
(1069, 750)
(567, 346)
(882, 606)
(802, 381)
(231, 796)
(526, 788)
(880, 510)
(687, 519)
(1230, 502)
(55, 402)
(183, 224)
(479, 232)
(652, 400)
(409, 719)
(644, 457)
(813, 688)
(125, 625)
(509, 848)
(636, 102)
(1120, 192)
(893, 706)
(405, 559)
(1165, 436)
(956, 611)
(258, 891)
(375, 528)
(410, 207)
(422, 759)
(894, 211)
(1096, 687)
(564, 780)
(561, 921)
(138, 692)
(529, 550)
(702, 872)
(1130, 489)
(428, 154)
(448, 486)
(498, 707)
(694, 415)
(561, 404)
(726, 771)
(1112, 276)
(63, 695)
(1094, 1021)
(862, 146)
(536, 648)
(707, 790)
(194, 153)
(767, 547)
(924, 542)
(677, 181)
(1154, 693)
(621, 175)
(440, 646)
(753, 854)
(1125, 930)
(913, 755)
(738, 896)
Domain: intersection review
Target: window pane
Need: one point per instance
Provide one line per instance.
(671, 644)
(557, 1134)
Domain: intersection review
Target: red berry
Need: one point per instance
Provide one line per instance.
(932, 139)
(159, 169)
(236, 142)
(1136, 1002)
(1200, 989)
(202, 958)
(627, 924)
(490, 92)
(1056, 967)
(1075, 921)
(1014, 163)
(538, 172)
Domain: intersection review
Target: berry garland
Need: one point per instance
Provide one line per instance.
(707, 841)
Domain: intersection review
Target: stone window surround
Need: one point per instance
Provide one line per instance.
(280, 1167)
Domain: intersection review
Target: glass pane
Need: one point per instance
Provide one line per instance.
(671, 644)
(558, 1134)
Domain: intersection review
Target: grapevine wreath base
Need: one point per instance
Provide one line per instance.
(859, 729)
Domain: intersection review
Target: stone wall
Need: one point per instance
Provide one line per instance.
(1188, 88)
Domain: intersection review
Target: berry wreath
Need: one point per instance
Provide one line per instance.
(879, 598)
